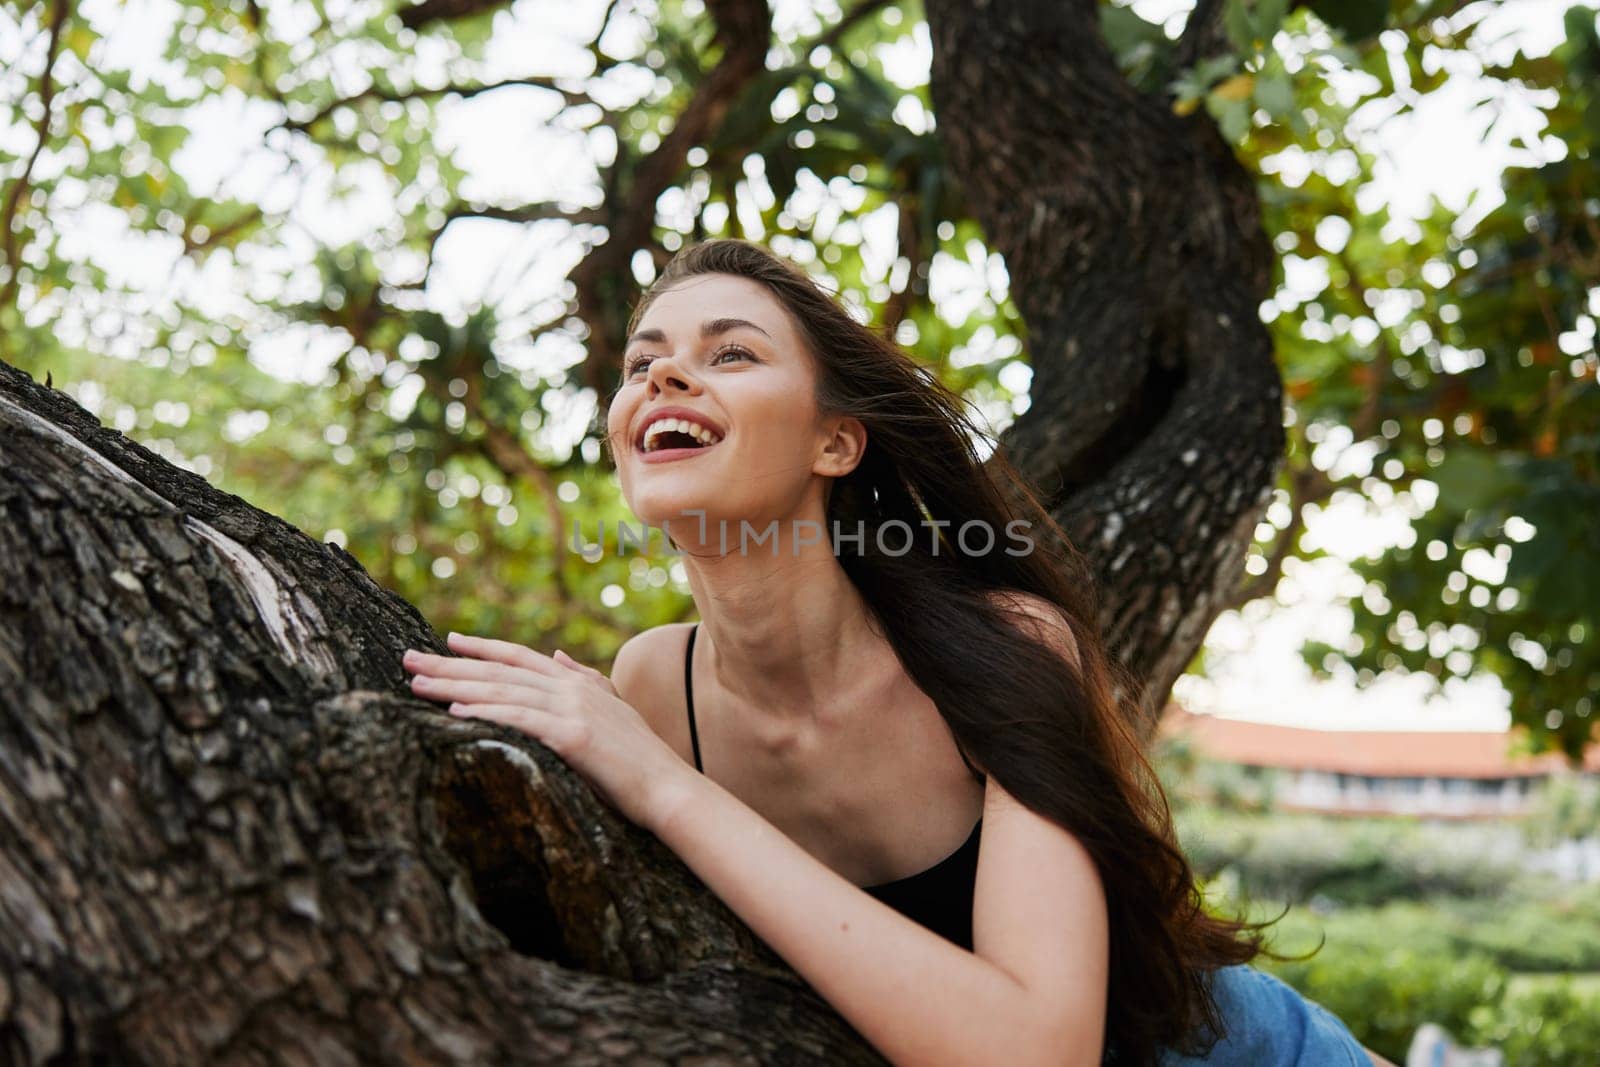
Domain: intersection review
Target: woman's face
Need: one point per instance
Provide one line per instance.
(722, 351)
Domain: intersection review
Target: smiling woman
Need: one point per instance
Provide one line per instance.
(885, 732)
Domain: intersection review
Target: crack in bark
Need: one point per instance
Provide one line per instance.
(1134, 244)
(210, 853)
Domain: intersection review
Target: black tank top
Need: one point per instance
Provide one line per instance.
(939, 897)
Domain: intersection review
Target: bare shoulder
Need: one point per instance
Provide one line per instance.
(642, 665)
(1042, 618)
(647, 673)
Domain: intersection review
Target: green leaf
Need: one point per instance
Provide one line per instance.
(1470, 478)
(1355, 19)
(1240, 26)
(1275, 93)
(1232, 115)
(1269, 16)
(1126, 33)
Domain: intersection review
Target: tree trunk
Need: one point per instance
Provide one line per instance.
(1136, 255)
(228, 833)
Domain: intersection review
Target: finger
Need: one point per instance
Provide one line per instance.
(599, 678)
(530, 721)
(556, 733)
(567, 661)
(466, 667)
(470, 691)
(507, 652)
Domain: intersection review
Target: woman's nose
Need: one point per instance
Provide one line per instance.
(665, 373)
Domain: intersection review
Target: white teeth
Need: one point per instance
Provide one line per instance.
(703, 435)
(693, 429)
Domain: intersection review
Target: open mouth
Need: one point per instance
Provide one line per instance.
(670, 435)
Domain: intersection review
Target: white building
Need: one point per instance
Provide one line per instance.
(1433, 774)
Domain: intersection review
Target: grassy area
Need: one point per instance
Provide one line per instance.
(1416, 923)
(1584, 984)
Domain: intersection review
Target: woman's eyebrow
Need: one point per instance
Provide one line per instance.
(709, 328)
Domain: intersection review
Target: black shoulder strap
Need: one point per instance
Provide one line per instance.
(688, 693)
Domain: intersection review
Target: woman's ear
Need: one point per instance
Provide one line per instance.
(843, 448)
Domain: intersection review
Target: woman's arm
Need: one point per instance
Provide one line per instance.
(1033, 992)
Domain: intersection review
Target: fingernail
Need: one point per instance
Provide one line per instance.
(455, 709)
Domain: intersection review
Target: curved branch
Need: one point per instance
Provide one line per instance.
(744, 29)
(1203, 35)
(505, 450)
(231, 832)
(20, 185)
(830, 37)
(572, 97)
(1134, 244)
(1307, 486)
(426, 12)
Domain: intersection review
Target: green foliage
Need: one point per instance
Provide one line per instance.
(1561, 935)
(1217, 786)
(1519, 931)
(1358, 861)
(1354, 19)
(1557, 1025)
(1140, 47)
(1384, 996)
(1568, 809)
(1447, 372)
(450, 440)
(1481, 968)
(1481, 411)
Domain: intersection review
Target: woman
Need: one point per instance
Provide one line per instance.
(858, 708)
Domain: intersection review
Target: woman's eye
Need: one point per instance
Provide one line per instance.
(640, 362)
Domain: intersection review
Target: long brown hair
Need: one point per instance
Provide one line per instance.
(1057, 738)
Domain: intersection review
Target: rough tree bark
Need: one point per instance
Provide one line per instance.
(1136, 255)
(229, 834)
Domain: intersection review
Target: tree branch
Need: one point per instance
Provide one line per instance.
(271, 844)
(899, 304)
(830, 38)
(1133, 240)
(1307, 485)
(573, 97)
(19, 187)
(522, 213)
(426, 12)
(213, 237)
(505, 450)
(743, 28)
(1203, 35)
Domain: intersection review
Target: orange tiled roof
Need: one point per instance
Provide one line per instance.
(1380, 753)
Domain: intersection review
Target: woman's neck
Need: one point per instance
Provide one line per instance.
(783, 629)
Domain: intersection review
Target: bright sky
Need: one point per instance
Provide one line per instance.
(1453, 145)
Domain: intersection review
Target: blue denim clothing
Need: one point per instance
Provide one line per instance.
(1270, 1024)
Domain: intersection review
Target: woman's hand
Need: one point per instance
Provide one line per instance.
(572, 709)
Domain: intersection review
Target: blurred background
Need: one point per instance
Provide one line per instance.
(365, 263)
